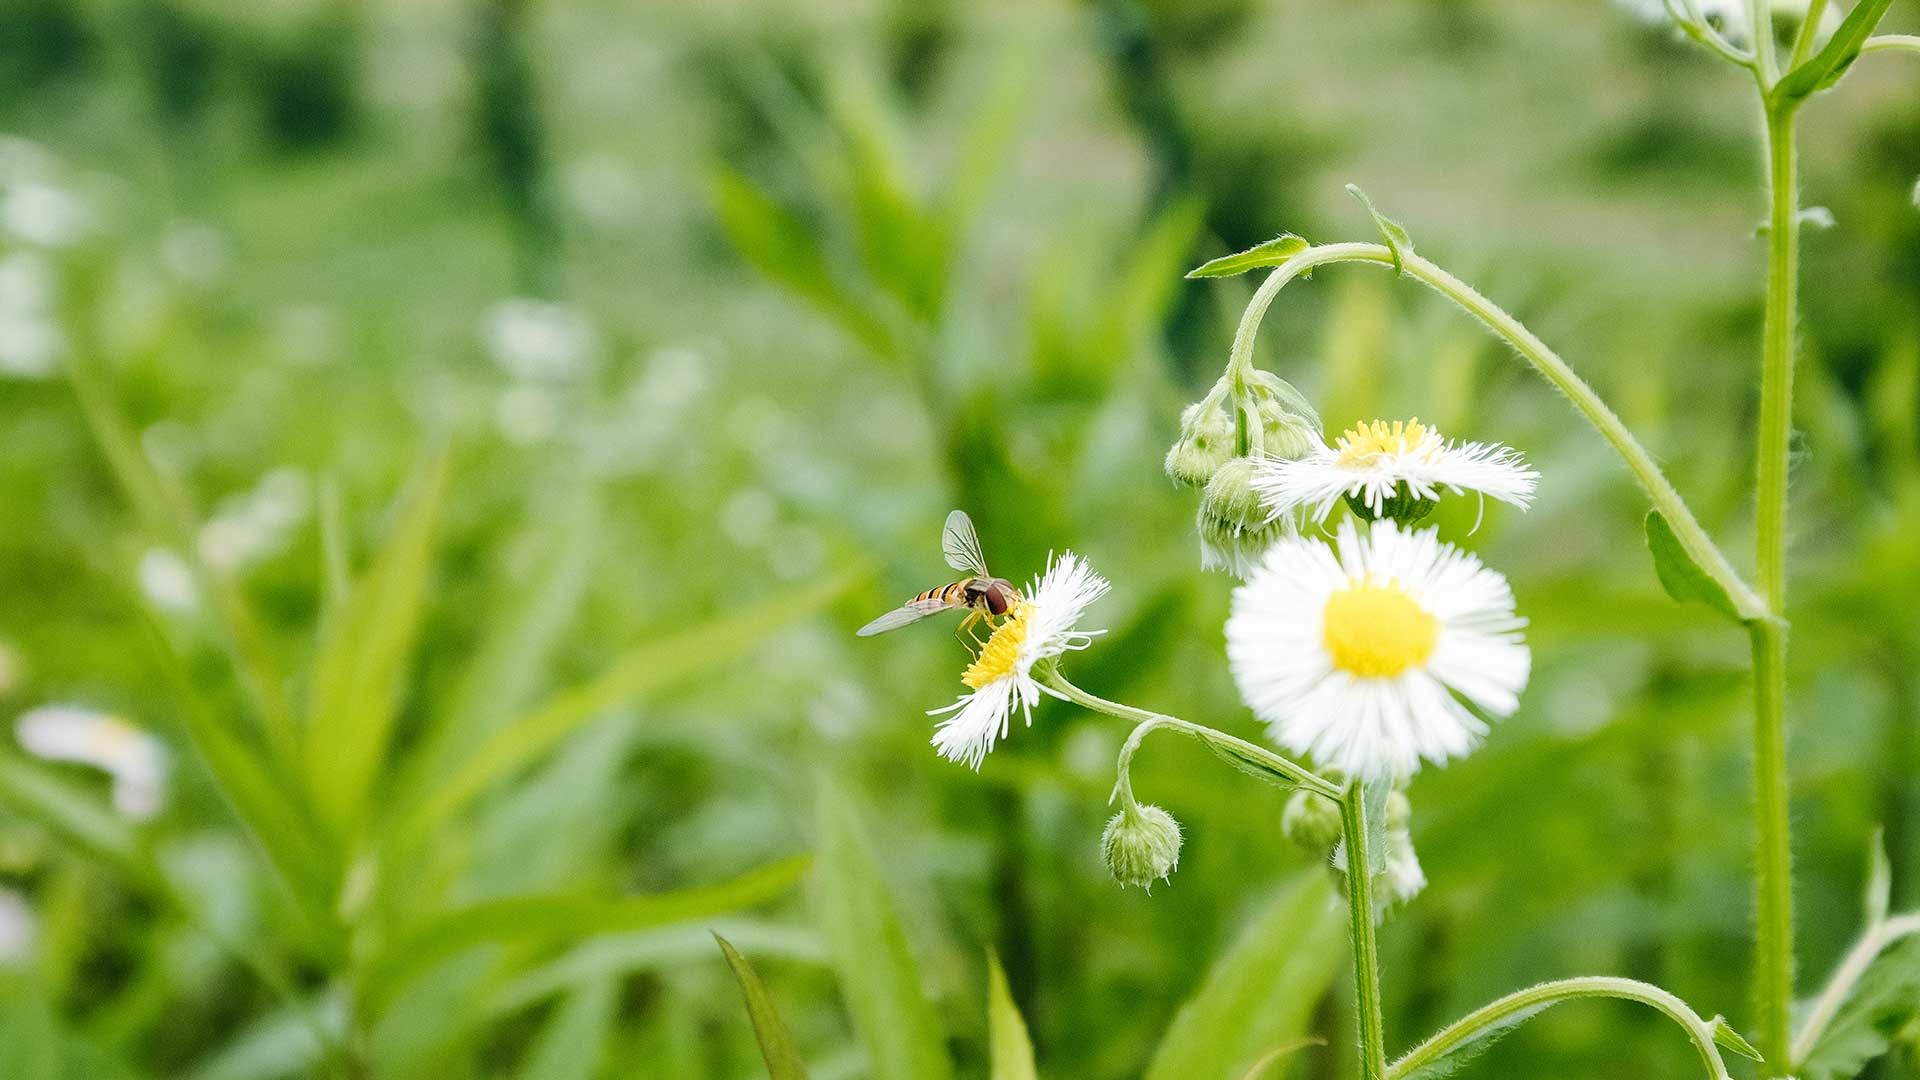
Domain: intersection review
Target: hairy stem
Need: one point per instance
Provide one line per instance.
(1524, 1003)
(1366, 951)
(1773, 880)
(1550, 366)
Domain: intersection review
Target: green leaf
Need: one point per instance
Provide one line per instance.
(1010, 1051)
(776, 1041)
(1883, 1002)
(1280, 1053)
(1263, 991)
(75, 814)
(1879, 889)
(573, 1043)
(1272, 253)
(354, 697)
(1375, 795)
(861, 925)
(1679, 574)
(1398, 242)
(1458, 1056)
(561, 916)
(1825, 67)
(1729, 1039)
(648, 667)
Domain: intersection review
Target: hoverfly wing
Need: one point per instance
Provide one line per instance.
(961, 545)
(910, 612)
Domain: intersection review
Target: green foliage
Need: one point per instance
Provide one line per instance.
(1730, 1039)
(878, 974)
(1680, 576)
(1391, 231)
(1884, 1001)
(776, 1041)
(1271, 253)
(1825, 67)
(1261, 992)
(1010, 1050)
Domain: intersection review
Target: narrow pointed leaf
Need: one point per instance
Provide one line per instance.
(1679, 575)
(1009, 1049)
(1271, 253)
(1263, 991)
(1824, 68)
(776, 1041)
(1729, 1039)
(1281, 1053)
(878, 975)
(1879, 889)
(1398, 242)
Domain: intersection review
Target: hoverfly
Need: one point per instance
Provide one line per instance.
(985, 597)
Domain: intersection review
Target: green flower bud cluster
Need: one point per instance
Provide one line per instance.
(1312, 821)
(1141, 845)
(1220, 436)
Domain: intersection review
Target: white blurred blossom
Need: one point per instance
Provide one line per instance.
(527, 413)
(167, 581)
(537, 339)
(257, 525)
(136, 760)
(19, 927)
(31, 343)
(195, 252)
(43, 214)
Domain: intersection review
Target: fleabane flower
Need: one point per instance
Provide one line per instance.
(1040, 626)
(136, 760)
(1367, 659)
(1396, 470)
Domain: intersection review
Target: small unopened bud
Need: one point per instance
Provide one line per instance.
(1208, 439)
(1404, 879)
(1141, 845)
(1234, 526)
(1289, 426)
(1402, 506)
(1311, 821)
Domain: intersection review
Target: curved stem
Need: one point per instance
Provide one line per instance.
(1858, 959)
(1518, 1006)
(1773, 880)
(1686, 15)
(1243, 751)
(1892, 43)
(1550, 367)
(1360, 930)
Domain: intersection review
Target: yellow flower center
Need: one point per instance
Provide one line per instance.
(1362, 442)
(1002, 650)
(1377, 631)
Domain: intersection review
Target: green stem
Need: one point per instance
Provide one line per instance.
(1550, 366)
(1773, 882)
(1366, 952)
(1520, 1005)
(1242, 752)
(1892, 43)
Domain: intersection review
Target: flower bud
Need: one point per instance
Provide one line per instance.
(1233, 522)
(1289, 426)
(1403, 878)
(1311, 821)
(1207, 440)
(1141, 845)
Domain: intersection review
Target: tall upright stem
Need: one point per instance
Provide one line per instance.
(1366, 952)
(1773, 885)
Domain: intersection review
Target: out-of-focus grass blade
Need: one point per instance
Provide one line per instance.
(52, 801)
(336, 559)
(1281, 1053)
(645, 668)
(776, 1042)
(1263, 991)
(573, 1042)
(989, 136)
(781, 246)
(277, 1045)
(1009, 1050)
(856, 915)
(510, 661)
(667, 947)
(573, 917)
(355, 692)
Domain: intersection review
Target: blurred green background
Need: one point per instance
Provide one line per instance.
(489, 350)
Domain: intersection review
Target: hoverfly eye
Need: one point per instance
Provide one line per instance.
(997, 601)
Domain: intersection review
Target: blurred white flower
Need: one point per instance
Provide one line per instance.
(135, 760)
(748, 517)
(1356, 658)
(19, 927)
(31, 346)
(601, 189)
(1376, 462)
(26, 282)
(675, 376)
(1040, 626)
(536, 339)
(167, 581)
(43, 214)
(256, 525)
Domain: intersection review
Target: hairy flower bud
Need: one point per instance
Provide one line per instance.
(1289, 426)
(1233, 522)
(1141, 845)
(1208, 440)
(1311, 821)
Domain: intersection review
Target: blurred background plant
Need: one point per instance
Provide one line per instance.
(677, 329)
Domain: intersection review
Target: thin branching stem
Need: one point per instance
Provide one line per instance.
(1875, 941)
(1909, 43)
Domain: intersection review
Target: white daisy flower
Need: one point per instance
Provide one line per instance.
(1362, 659)
(1372, 465)
(136, 760)
(1040, 626)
